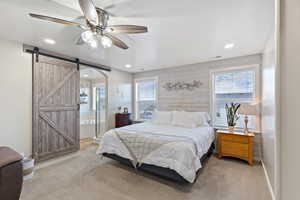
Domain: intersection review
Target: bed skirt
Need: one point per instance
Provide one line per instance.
(160, 171)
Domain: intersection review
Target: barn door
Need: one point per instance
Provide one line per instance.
(55, 107)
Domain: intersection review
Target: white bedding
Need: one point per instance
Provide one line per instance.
(183, 155)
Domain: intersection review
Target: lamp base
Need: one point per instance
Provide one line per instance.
(246, 124)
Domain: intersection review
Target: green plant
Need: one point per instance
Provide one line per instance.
(231, 112)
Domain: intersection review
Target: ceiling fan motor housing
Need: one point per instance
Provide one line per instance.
(103, 17)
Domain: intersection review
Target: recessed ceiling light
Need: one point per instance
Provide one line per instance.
(85, 75)
(128, 66)
(229, 46)
(49, 41)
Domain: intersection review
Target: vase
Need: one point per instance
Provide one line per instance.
(231, 128)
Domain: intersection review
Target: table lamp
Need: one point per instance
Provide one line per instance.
(247, 109)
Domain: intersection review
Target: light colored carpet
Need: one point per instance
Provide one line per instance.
(86, 177)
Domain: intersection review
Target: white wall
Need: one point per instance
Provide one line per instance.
(290, 99)
(15, 98)
(198, 99)
(119, 93)
(268, 109)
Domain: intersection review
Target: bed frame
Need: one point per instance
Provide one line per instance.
(160, 171)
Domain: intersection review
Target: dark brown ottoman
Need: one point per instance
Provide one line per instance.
(11, 174)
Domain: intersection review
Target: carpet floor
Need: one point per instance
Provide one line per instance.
(85, 176)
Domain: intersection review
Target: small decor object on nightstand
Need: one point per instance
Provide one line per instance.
(119, 109)
(236, 144)
(246, 110)
(232, 114)
(125, 110)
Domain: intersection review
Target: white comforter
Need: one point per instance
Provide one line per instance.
(182, 156)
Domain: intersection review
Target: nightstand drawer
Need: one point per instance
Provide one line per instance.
(237, 149)
(235, 138)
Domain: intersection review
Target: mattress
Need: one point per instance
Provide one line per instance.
(173, 147)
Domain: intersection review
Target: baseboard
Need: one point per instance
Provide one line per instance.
(53, 161)
(268, 181)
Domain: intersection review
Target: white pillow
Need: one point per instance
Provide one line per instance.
(190, 119)
(203, 118)
(185, 119)
(162, 117)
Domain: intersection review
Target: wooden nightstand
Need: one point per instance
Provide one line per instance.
(123, 119)
(236, 144)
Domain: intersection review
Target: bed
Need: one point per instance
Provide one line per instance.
(162, 146)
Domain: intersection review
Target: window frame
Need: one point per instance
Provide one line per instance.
(257, 88)
(136, 92)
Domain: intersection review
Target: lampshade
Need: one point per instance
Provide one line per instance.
(247, 109)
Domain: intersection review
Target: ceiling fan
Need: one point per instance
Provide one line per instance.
(97, 28)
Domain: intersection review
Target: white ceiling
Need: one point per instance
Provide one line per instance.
(180, 31)
(89, 73)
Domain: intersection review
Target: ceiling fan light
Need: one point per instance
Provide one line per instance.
(93, 43)
(87, 36)
(106, 42)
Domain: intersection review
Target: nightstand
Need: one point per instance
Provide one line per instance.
(123, 119)
(236, 144)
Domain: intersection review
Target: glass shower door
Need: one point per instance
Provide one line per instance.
(100, 111)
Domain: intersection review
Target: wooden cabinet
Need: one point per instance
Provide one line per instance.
(236, 144)
(123, 119)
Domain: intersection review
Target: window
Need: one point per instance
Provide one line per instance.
(239, 85)
(145, 98)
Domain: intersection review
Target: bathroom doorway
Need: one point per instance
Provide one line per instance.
(93, 104)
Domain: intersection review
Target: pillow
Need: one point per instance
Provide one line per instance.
(190, 119)
(185, 119)
(162, 117)
(203, 118)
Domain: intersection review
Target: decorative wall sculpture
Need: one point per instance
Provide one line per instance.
(181, 85)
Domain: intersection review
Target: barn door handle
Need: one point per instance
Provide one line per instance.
(78, 106)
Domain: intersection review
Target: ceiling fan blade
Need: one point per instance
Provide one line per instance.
(129, 29)
(117, 42)
(57, 20)
(89, 10)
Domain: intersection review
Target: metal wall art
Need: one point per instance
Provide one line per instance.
(181, 85)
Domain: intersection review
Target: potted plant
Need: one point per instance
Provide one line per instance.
(232, 114)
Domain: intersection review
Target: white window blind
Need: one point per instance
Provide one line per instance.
(145, 98)
(237, 86)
